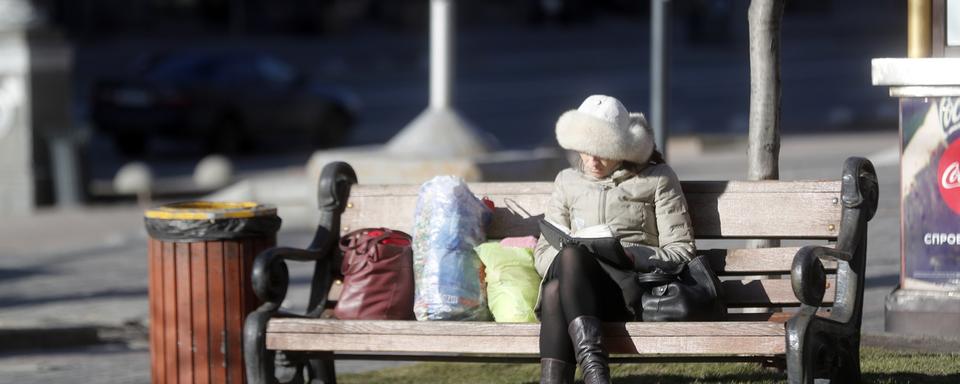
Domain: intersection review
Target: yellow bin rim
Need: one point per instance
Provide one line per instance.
(210, 210)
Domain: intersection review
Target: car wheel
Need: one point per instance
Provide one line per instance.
(333, 128)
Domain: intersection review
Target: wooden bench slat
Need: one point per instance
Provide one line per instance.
(619, 358)
(766, 215)
(698, 345)
(738, 262)
(468, 328)
(735, 209)
(546, 187)
(761, 186)
(737, 293)
(767, 293)
(462, 344)
(402, 343)
(755, 261)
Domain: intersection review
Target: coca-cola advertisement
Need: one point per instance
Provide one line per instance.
(930, 192)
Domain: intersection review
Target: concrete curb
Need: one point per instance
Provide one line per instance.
(911, 343)
(22, 339)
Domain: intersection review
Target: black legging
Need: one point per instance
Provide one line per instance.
(575, 285)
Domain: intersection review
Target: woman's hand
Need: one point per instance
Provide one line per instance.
(645, 260)
(641, 258)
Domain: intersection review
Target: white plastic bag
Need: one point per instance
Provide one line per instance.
(448, 224)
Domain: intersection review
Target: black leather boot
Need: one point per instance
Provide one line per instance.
(588, 346)
(554, 371)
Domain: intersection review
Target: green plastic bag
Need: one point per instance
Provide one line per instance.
(512, 282)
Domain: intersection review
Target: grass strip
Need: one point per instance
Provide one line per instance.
(879, 366)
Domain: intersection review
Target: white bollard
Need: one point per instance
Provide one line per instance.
(134, 179)
(213, 171)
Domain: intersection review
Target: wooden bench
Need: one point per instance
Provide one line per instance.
(815, 292)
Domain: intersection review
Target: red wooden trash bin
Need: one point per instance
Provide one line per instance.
(200, 256)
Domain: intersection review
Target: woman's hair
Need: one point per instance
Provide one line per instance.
(655, 158)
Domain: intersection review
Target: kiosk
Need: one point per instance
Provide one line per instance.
(927, 83)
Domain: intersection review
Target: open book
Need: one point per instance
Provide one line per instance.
(598, 239)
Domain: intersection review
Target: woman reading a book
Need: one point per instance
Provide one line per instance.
(623, 186)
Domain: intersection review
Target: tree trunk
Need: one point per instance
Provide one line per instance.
(763, 147)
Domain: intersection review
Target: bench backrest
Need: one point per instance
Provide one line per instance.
(718, 209)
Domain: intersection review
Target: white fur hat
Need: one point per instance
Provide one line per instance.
(603, 127)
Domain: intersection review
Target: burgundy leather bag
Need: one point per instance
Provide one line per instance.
(377, 275)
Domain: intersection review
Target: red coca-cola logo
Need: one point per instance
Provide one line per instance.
(948, 176)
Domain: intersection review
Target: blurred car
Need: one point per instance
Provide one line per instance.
(228, 100)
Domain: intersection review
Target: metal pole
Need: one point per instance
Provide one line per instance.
(440, 122)
(659, 55)
(919, 32)
(66, 180)
(441, 58)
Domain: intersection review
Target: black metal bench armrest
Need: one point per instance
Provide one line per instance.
(829, 347)
(807, 274)
(859, 195)
(270, 277)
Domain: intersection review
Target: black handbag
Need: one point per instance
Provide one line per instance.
(691, 292)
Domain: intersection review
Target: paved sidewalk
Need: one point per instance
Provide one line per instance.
(86, 268)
